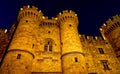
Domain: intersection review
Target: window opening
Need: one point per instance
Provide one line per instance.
(105, 64)
(18, 56)
(70, 25)
(101, 50)
(48, 46)
(76, 59)
(26, 21)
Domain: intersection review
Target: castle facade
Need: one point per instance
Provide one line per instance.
(38, 45)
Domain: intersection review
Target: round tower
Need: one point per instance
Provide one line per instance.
(111, 32)
(20, 53)
(73, 61)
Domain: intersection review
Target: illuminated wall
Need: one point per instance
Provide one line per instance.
(40, 45)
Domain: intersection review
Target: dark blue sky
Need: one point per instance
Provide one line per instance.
(92, 13)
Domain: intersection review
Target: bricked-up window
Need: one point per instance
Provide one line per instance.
(18, 56)
(101, 50)
(76, 59)
(105, 64)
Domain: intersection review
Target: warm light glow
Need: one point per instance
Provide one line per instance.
(70, 11)
(75, 14)
(104, 24)
(39, 11)
(87, 37)
(59, 13)
(5, 30)
(21, 8)
(43, 17)
(95, 37)
(56, 18)
(28, 6)
(100, 29)
(79, 35)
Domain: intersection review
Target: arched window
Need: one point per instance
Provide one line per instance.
(48, 45)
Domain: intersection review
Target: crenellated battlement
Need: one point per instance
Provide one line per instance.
(54, 18)
(67, 12)
(67, 15)
(28, 11)
(91, 38)
(94, 38)
(49, 22)
(110, 25)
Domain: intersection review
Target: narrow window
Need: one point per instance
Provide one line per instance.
(101, 51)
(48, 46)
(70, 25)
(105, 64)
(76, 59)
(26, 21)
(48, 31)
(18, 56)
(33, 46)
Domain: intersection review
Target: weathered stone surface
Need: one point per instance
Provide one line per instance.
(53, 46)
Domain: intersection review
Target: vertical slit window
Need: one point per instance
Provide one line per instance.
(101, 51)
(18, 56)
(76, 59)
(33, 46)
(105, 64)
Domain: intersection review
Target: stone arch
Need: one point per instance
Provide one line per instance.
(48, 44)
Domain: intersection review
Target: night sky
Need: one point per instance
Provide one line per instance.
(91, 13)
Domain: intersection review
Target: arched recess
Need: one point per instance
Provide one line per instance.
(48, 44)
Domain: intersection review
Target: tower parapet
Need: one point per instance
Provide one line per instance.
(67, 15)
(32, 12)
(111, 32)
(110, 25)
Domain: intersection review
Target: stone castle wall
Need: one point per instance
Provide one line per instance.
(111, 32)
(53, 46)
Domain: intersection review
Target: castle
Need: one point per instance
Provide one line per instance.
(38, 45)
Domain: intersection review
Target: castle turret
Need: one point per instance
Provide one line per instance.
(73, 61)
(111, 32)
(20, 54)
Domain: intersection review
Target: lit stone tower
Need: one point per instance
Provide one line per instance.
(19, 56)
(111, 32)
(73, 61)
